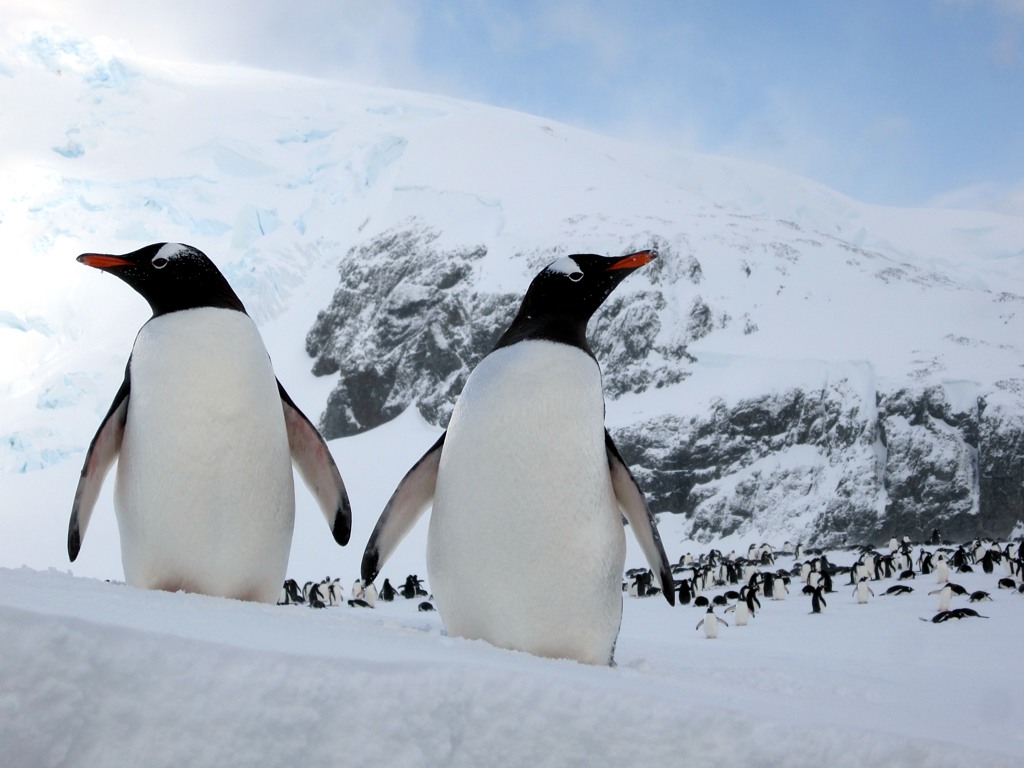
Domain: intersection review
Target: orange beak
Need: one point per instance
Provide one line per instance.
(100, 261)
(635, 260)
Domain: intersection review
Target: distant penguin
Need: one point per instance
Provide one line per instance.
(387, 592)
(710, 623)
(956, 613)
(987, 561)
(941, 570)
(780, 588)
(925, 562)
(805, 572)
(899, 589)
(818, 601)
(685, 593)
(863, 591)
(335, 595)
(291, 594)
(205, 437)
(528, 488)
(315, 596)
(945, 596)
(366, 593)
(412, 588)
(746, 607)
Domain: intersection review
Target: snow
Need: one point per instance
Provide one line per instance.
(276, 178)
(96, 673)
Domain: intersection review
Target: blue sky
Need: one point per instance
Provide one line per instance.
(915, 102)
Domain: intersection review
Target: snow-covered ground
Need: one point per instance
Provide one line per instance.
(99, 674)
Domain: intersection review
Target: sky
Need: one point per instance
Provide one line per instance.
(915, 103)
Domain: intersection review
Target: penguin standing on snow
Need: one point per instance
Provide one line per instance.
(526, 548)
(863, 591)
(817, 601)
(945, 596)
(710, 623)
(205, 437)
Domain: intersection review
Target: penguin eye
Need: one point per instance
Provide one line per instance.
(576, 276)
(159, 262)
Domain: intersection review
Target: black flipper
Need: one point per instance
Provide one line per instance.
(316, 466)
(638, 515)
(409, 501)
(103, 450)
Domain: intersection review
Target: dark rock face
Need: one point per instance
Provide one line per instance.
(400, 321)
(846, 461)
(857, 475)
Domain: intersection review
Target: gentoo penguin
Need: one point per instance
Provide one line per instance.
(899, 589)
(710, 623)
(388, 592)
(364, 594)
(956, 613)
(205, 437)
(862, 591)
(945, 596)
(746, 606)
(685, 592)
(817, 601)
(526, 548)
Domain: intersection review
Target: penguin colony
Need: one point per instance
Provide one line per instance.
(718, 584)
(205, 438)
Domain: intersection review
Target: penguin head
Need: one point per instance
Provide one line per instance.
(565, 294)
(170, 276)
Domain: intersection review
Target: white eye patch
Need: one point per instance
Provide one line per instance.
(566, 266)
(170, 251)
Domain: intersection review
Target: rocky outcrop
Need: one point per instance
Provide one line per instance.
(837, 470)
(836, 459)
(400, 321)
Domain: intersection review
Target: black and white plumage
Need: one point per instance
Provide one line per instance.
(526, 546)
(205, 437)
(711, 622)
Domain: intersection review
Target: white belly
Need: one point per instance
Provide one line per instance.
(526, 545)
(204, 496)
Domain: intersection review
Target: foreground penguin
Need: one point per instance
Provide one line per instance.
(526, 546)
(205, 437)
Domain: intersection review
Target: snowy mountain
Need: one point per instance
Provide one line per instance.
(796, 365)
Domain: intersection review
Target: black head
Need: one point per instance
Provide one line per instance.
(170, 276)
(562, 298)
